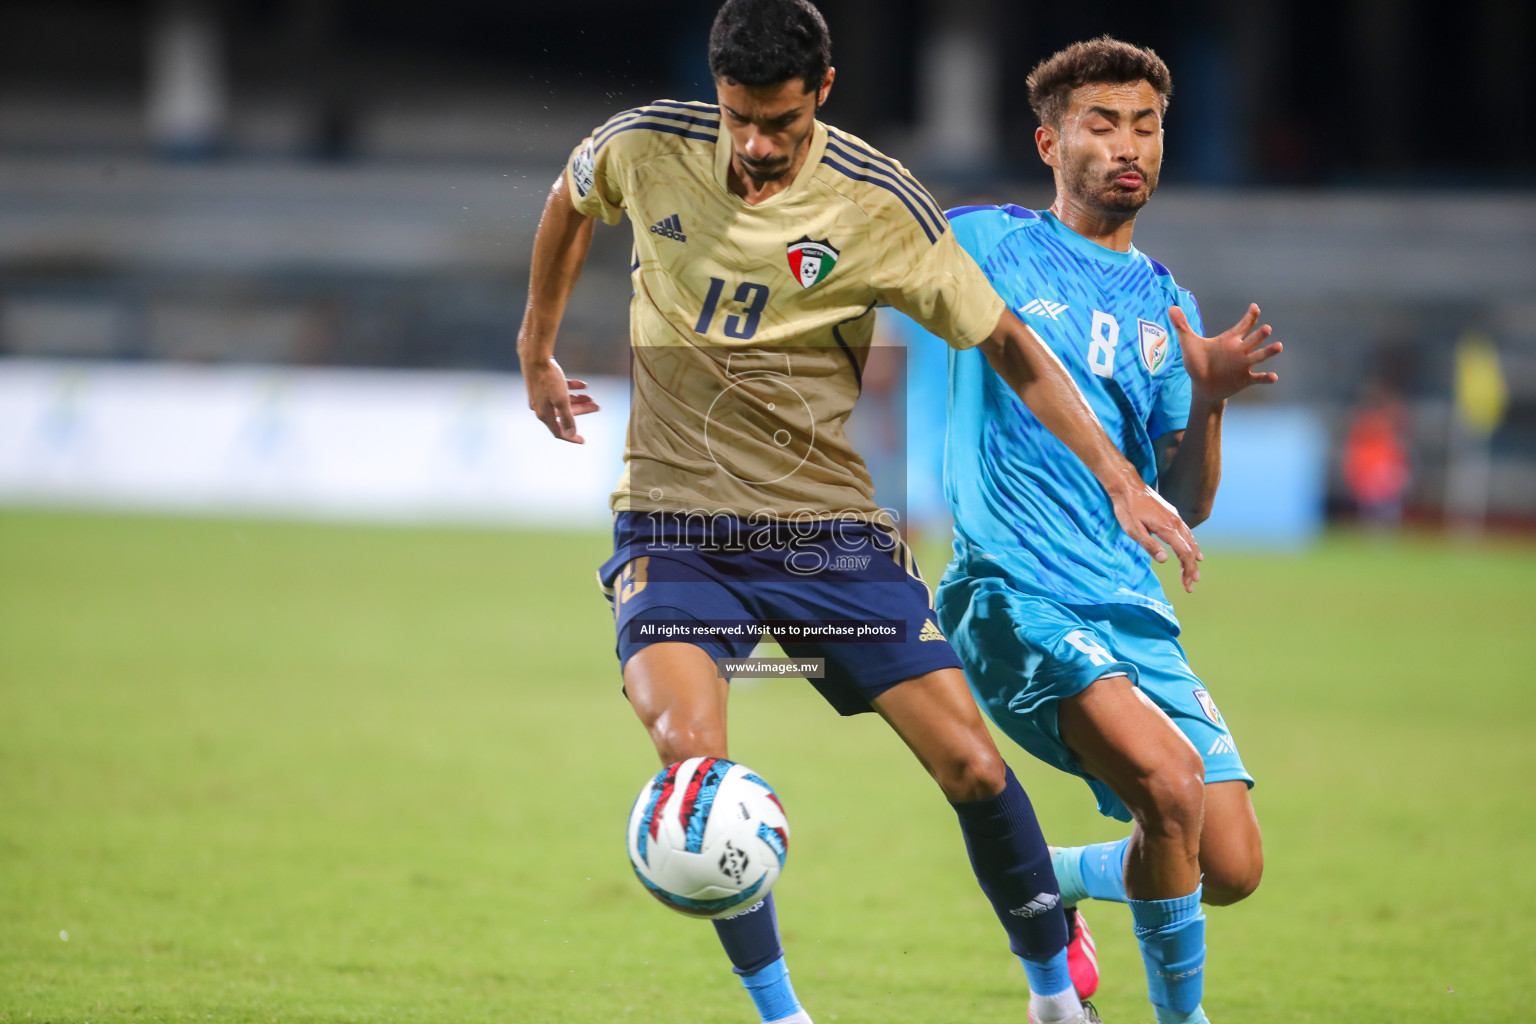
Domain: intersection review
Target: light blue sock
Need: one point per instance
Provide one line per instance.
(1051, 995)
(1048, 977)
(1069, 876)
(1171, 934)
(1091, 872)
(772, 993)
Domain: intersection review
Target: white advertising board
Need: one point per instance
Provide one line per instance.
(346, 444)
(411, 446)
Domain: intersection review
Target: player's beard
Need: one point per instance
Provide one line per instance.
(1097, 189)
(762, 173)
(765, 171)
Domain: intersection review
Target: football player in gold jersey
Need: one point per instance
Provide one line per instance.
(763, 241)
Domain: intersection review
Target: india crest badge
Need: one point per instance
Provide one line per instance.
(811, 261)
(1154, 345)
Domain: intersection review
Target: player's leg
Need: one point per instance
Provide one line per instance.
(916, 685)
(1122, 738)
(937, 718)
(1231, 853)
(1231, 849)
(680, 699)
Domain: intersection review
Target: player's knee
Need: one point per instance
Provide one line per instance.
(1231, 885)
(977, 775)
(1171, 800)
(1230, 880)
(678, 741)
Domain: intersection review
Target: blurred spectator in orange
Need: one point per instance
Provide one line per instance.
(1376, 465)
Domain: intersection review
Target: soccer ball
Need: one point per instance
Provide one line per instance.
(708, 837)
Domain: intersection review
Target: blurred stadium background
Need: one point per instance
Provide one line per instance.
(267, 258)
(298, 184)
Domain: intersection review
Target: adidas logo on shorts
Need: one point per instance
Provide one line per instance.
(669, 227)
(930, 632)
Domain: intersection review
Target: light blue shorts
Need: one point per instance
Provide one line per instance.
(1022, 654)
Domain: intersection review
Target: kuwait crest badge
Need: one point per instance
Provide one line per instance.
(1154, 345)
(810, 261)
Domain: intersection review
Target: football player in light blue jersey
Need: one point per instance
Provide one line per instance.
(1068, 640)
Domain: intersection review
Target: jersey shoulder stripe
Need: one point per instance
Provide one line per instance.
(690, 124)
(914, 206)
(865, 159)
(858, 145)
(866, 168)
(850, 173)
(690, 113)
(665, 129)
(695, 106)
(856, 150)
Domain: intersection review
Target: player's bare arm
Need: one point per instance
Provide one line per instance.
(1043, 384)
(559, 252)
(1219, 368)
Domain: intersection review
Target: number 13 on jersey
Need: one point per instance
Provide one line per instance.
(753, 298)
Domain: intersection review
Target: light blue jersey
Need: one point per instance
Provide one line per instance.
(1022, 502)
(1047, 593)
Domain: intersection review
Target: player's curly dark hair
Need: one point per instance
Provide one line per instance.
(765, 42)
(1104, 60)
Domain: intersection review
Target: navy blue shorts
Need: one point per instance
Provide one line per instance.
(849, 590)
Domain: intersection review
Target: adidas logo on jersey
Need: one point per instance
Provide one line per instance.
(669, 227)
(1223, 745)
(930, 632)
(1039, 307)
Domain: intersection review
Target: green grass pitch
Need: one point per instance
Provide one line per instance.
(280, 772)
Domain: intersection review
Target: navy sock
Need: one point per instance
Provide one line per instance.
(751, 938)
(1013, 865)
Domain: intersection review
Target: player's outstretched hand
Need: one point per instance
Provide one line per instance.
(554, 399)
(1148, 518)
(1222, 366)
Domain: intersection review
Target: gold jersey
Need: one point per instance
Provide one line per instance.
(751, 325)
